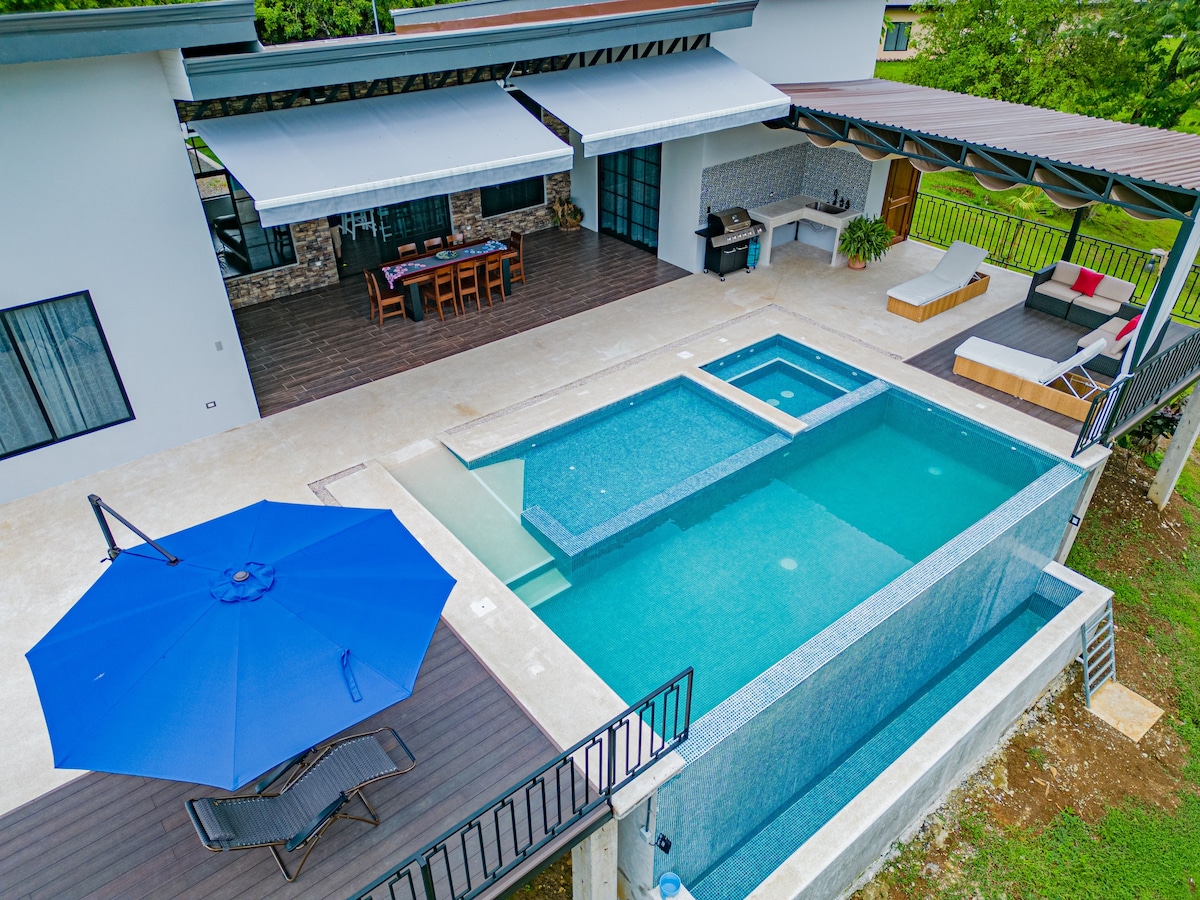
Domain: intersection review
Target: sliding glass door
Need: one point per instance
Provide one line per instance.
(629, 183)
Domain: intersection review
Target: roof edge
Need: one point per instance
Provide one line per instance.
(363, 59)
(81, 33)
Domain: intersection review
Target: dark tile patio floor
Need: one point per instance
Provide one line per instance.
(318, 343)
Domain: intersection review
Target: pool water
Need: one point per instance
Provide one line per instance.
(793, 390)
(743, 573)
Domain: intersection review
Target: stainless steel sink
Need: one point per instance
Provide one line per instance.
(826, 208)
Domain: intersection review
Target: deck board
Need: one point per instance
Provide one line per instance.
(1026, 329)
(121, 836)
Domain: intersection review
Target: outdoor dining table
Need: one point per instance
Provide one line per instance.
(412, 272)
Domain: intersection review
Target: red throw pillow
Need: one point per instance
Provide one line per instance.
(1128, 329)
(1087, 281)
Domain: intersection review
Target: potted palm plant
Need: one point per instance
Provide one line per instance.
(565, 213)
(865, 240)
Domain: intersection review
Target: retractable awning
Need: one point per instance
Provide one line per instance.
(313, 161)
(647, 101)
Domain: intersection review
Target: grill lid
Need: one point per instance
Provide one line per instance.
(733, 219)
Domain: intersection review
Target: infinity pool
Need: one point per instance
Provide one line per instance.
(741, 574)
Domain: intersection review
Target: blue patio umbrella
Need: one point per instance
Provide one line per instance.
(278, 626)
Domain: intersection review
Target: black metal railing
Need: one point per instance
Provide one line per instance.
(567, 792)
(1026, 246)
(1129, 399)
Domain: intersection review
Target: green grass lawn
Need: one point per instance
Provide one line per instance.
(1134, 850)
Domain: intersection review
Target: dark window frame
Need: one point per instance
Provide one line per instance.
(897, 37)
(58, 439)
(508, 210)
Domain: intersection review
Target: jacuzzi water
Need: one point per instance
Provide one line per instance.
(742, 574)
(788, 375)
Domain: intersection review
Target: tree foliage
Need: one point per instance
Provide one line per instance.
(1130, 60)
(278, 21)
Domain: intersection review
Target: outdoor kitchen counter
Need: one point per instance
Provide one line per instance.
(797, 209)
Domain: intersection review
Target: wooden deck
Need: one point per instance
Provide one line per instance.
(318, 343)
(1026, 329)
(119, 836)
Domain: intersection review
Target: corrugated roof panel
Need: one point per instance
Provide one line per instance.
(1134, 151)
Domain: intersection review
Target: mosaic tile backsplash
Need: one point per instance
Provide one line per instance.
(767, 177)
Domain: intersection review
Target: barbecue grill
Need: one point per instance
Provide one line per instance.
(728, 246)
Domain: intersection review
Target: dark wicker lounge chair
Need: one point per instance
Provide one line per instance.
(327, 779)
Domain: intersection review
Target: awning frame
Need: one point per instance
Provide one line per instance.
(1091, 185)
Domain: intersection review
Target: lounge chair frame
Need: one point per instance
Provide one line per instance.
(300, 766)
(977, 285)
(1070, 393)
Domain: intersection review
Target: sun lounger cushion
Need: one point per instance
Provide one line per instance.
(953, 271)
(1029, 366)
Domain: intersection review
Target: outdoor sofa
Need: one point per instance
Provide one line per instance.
(1059, 291)
(1064, 387)
(952, 281)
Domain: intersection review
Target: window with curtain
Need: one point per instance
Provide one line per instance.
(57, 378)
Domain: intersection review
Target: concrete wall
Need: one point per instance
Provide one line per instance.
(100, 197)
(807, 40)
(897, 15)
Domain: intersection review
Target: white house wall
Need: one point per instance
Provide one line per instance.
(99, 196)
(807, 40)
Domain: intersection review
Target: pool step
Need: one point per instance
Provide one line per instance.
(542, 587)
(475, 510)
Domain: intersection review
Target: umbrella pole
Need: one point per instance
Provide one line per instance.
(99, 507)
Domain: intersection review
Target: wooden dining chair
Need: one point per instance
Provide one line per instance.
(466, 282)
(439, 291)
(435, 243)
(516, 257)
(385, 302)
(493, 276)
(456, 240)
(408, 251)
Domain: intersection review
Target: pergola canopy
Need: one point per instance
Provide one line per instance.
(312, 161)
(648, 101)
(1150, 172)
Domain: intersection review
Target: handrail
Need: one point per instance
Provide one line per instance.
(489, 844)
(1027, 246)
(1130, 398)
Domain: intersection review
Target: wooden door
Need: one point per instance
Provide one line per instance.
(900, 197)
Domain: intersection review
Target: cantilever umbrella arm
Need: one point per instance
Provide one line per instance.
(99, 507)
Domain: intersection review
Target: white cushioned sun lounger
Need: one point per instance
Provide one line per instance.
(952, 281)
(1064, 387)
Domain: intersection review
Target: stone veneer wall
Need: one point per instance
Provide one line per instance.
(798, 169)
(466, 213)
(315, 267)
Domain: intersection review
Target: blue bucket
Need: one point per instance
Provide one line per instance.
(669, 884)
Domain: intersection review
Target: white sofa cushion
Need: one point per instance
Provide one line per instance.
(1057, 290)
(1109, 330)
(1098, 304)
(1115, 289)
(1065, 273)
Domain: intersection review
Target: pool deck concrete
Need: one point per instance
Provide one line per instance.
(51, 550)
